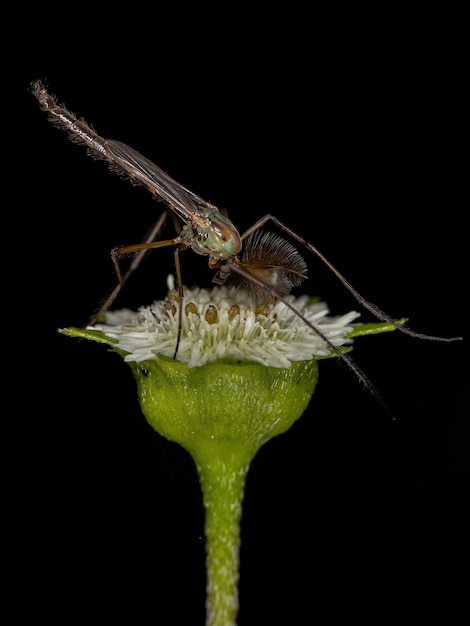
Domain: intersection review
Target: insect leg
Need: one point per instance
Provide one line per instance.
(373, 308)
(151, 235)
(179, 280)
(341, 354)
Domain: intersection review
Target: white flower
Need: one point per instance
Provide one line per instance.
(215, 326)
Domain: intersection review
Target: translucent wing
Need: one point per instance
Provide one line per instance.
(124, 159)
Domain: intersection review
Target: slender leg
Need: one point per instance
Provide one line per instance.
(179, 280)
(141, 251)
(373, 308)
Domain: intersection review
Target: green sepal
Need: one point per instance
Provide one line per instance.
(374, 328)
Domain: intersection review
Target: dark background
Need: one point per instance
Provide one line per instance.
(350, 135)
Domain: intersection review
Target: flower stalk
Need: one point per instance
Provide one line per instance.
(222, 483)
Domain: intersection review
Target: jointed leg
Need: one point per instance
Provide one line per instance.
(374, 309)
(141, 250)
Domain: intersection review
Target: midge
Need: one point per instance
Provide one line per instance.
(261, 264)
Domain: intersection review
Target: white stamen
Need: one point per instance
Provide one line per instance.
(275, 340)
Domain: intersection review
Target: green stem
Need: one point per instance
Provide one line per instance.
(222, 476)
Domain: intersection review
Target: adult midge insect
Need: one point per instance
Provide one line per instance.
(263, 264)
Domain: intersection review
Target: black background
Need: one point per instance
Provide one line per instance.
(352, 136)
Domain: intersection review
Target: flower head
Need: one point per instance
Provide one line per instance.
(216, 325)
(242, 375)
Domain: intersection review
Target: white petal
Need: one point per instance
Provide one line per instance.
(275, 339)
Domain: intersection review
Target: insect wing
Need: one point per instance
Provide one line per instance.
(187, 205)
